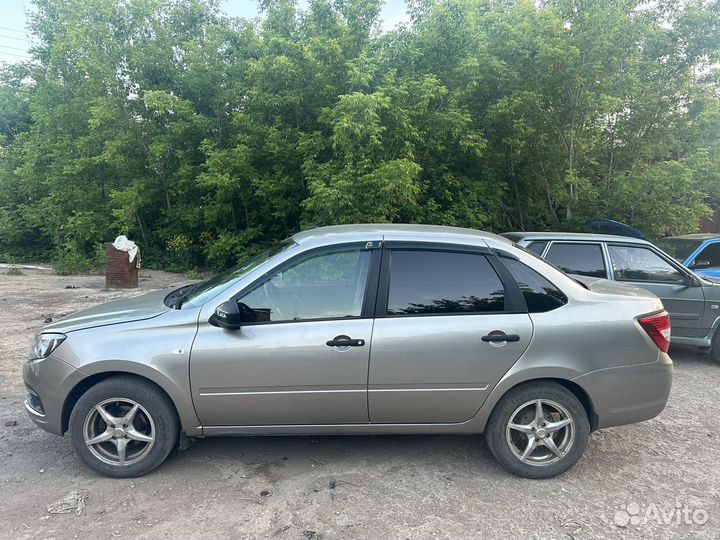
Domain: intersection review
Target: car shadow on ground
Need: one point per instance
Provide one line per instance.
(346, 451)
(690, 355)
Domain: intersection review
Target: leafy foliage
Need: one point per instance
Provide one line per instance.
(206, 137)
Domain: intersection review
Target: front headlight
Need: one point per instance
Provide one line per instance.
(45, 344)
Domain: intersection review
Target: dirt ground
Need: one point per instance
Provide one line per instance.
(658, 479)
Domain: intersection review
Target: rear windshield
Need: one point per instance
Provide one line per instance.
(678, 248)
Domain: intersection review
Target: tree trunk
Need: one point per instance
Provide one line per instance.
(142, 229)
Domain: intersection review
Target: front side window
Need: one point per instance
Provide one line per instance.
(322, 286)
(442, 282)
(636, 263)
(581, 259)
(540, 295)
(710, 254)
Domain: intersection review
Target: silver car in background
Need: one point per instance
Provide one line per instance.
(358, 329)
(693, 301)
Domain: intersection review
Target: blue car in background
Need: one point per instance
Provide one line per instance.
(699, 252)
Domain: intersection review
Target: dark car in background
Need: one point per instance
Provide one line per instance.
(692, 301)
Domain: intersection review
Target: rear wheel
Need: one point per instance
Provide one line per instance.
(123, 427)
(538, 430)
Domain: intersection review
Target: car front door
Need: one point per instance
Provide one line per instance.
(438, 347)
(645, 268)
(291, 365)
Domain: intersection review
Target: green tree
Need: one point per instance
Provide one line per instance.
(205, 137)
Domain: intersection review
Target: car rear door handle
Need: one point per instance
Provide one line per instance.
(345, 341)
(497, 336)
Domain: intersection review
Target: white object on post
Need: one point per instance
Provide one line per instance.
(123, 244)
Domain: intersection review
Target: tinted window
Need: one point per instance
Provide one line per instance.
(540, 295)
(710, 254)
(632, 263)
(442, 282)
(537, 247)
(582, 259)
(327, 285)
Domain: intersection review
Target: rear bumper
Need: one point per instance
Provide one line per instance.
(628, 394)
(50, 380)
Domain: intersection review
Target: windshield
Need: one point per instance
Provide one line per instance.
(210, 288)
(678, 248)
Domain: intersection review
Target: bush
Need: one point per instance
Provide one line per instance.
(72, 260)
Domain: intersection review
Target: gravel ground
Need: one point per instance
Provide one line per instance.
(665, 471)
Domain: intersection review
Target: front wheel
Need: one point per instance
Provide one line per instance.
(538, 430)
(123, 427)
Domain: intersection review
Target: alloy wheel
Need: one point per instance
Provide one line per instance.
(119, 431)
(540, 432)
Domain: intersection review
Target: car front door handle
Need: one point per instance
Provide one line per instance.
(497, 336)
(345, 341)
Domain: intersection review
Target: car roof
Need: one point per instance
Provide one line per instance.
(582, 237)
(696, 236)
(396, 231)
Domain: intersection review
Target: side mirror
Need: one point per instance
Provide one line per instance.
(227, 315)
(699, 265)
(232, 314)
(691, 281)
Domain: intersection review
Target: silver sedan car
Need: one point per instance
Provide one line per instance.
(358, 329)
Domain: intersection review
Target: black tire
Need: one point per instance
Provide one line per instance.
(154, 418)
(714, 351)
(556, 403)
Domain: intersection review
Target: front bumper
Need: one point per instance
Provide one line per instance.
(51, 380)
(628, 394)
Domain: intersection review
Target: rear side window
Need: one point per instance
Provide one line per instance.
(582, 259)
(537, 247)
(540, 295)
(442, 282)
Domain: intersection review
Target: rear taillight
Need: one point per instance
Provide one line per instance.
(658, 328)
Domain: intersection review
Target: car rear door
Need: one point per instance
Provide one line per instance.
(438, 343)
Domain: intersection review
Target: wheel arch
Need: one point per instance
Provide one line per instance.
(573, 387)
(580, 393)
(185, 412)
